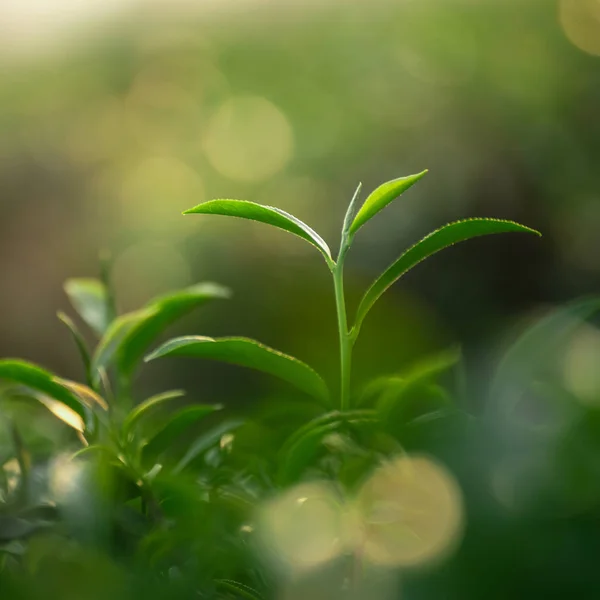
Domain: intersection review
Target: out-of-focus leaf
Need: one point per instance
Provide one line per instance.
(248, 353)
(434, 242)
(79, 342)
(206, 441)
(240, 589)
(89, 297)
(146, 407)
(264, 214)
(85, 394)
(12, 528)
(302, 446)
(381, 197)
(38, 379)
(534, 350)
(63, 412)
(174, 426)
(130, 335)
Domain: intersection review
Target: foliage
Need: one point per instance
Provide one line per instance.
(167, 497)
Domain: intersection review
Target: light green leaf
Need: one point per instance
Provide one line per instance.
(89, 297)
(263, 214)
(146, 407)
(130, 335)
(248, 353)
(351, 211)
(381, 197)
(40, 380)
(174, 426)
(434, 242)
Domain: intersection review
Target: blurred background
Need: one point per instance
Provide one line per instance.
(117, 115)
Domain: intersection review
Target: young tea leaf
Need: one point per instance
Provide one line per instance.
(130, 335)
(40, 380)
(79, 342)
(248, 353)
(434, 242)
(381, 197)
(264, 214)
(146, 407)
(351, 211)
(89, 298)
(174, 426)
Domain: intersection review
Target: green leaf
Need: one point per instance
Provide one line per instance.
(248, 353)
(40, 380)
(89, 297)
(434, 242)
(174, 426)
(381, 197)
(264, 214)
(206, 441)
(79, 342)
(303, 445)
(243, 591)
(351, 211)
(147, 406)
(130, 335)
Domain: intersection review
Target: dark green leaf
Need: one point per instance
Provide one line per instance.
(434, 242)
(90, 299)
(130, 335)
(243, 591)
(248, 353)
(302, 446)
(204, 442)
(79, 342)
(40, 380)
(146, 407)
(263, 214)
(381, 197)
(174, 426)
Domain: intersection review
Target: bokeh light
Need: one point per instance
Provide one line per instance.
(580, 20)
(412, 512)
(249, 139)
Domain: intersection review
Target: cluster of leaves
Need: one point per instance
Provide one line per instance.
(174, 488)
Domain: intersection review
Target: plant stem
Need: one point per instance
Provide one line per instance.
(345, 343)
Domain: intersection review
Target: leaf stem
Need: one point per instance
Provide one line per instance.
(345, 341)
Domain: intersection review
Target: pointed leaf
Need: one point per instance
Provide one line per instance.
(434, 242)
(174, 426)
(130, 335)
(352, 210)
(263, 214)
(40, 380)
(63, 412)
(205, 442)
(381, 197)
(240, 589)
(79, 342)
(248, 353)
(146, 407)
(89, 297)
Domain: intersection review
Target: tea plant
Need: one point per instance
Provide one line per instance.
(153, 499)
